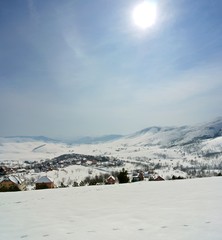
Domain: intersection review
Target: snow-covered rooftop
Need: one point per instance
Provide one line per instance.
(13, 179)
(44, 179)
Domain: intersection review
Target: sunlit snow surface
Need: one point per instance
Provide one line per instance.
(185, 209)
(13, 150)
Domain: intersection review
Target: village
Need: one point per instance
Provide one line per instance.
(11, 177)
(106, 169)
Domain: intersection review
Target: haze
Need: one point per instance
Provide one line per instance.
(74, 68)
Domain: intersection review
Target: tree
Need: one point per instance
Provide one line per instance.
(75, 184)
(81, 184)
(122, 176)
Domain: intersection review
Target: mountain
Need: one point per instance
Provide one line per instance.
(176, 136)
(27, 139)
(100, 139)
(171, 151)
(156, 135)
(79, 140)
(204, 140)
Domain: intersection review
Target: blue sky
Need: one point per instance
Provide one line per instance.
(75, 68)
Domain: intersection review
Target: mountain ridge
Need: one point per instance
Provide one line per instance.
(182, 135)
(165, 135)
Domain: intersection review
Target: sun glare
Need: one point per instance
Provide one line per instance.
(144, 14)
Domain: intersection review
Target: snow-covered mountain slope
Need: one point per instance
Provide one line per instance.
(171, 136)
(31, 150)
(213, 145)
(27, 139)
(186, 209)
(155, 142)
(91, 140)
(169, 143)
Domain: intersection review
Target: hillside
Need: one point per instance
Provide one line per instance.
(30, 149)
(187, 151)
(186, 209)
(203, 140)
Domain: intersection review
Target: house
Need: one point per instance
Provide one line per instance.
(110, 180)
(12, 183)
(94, 162)
(158, 178)
(44, 182)
(138, 176)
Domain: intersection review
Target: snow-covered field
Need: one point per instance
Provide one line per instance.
(15, 151)
(181, 210)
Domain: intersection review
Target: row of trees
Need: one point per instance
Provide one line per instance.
(122, 177)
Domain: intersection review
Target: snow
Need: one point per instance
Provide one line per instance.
(169, 143)
(213, 145)
(150, 147)
(44, 179)
(31, 151)
(14, 179)
(67, 176)
(181, 210)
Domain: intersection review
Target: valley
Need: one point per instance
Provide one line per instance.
(186, 152)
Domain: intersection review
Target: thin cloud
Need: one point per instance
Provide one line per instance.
(32, 10)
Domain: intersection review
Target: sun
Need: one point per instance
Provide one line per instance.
(144, 14)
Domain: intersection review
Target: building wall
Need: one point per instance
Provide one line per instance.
(44, 185)
(22, 186)
(111, 181)
(9, 186)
